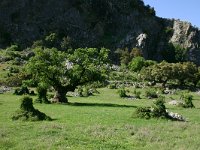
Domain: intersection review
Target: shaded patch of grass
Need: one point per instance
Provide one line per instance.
(100, 105)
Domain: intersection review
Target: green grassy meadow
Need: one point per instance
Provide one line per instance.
(100, 122)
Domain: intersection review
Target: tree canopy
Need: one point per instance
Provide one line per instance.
(64, 71)
(163, 72)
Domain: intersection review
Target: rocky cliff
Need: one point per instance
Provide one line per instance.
(97, 23)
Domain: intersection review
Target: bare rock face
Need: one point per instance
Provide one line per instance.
(141, 40)
(188, 37)
(185, 35)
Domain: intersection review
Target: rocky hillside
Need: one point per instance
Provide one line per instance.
(97, 23)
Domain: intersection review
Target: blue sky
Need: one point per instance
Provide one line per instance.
(186, 10)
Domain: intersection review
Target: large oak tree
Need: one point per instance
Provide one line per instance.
(65, 71)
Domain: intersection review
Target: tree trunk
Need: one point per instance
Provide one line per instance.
(60, 95)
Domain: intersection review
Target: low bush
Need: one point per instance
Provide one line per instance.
(32, 93)
(21, 91)
(80, 91)
(14, 70)
(151, 93)
(188, 101)
(158, 110)
(137, 94)
(122, 92)
(28, 113)
(86, 91)
(143, 112)
(112, 86)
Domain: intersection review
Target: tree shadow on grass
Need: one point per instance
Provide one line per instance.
(101, 105)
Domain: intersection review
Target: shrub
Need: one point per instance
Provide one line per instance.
(112, 86)
(86, 91)
(137, 94)
(99, 84)
(28, 113)
(17, 61)
(14, 70)
(159, 109)
(188, 101)
(137, 64)
(50, 96)
(143, 112)
(150, 63)
(80, 91)
(27, 104)
(32, 93)
(122, 92)
(151, 93)
(21, 91)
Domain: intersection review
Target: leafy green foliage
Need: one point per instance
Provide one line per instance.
(163, 72)
(136, 52)
(112, 86)
(137, 94)
(143, 112)
(21, 91)
(28, 113)
(159, 109)
(27, 104)
(188, 101)
(13, 48)
(122, 92)
(180, 53)
(51, 40)
(173, 53)
(66, 71)
(85, 91)
(185, 71)
(42, 93)
(14, 70)
(151, 93)
(160, 73)
(124, 56)
(137, 64)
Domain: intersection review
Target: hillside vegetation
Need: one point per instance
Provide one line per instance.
(97, 23)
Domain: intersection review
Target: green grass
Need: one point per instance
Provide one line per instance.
(100, 122)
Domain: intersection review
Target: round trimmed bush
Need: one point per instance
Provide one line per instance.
(28, 113)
